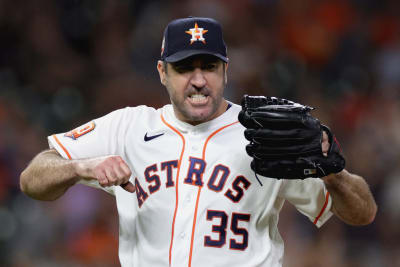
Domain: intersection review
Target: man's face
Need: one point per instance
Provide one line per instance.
(195, 86)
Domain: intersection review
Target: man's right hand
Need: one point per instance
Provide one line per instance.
(107, 170)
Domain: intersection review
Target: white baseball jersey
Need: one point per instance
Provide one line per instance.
(197, 202)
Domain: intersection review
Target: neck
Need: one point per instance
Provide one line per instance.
(221, 109)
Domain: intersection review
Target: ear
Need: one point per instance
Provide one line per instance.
(226, 73)
(161, 71)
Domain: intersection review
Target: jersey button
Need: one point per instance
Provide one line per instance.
(183, 235)
(195, 148)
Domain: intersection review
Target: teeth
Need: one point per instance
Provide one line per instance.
(198, 97)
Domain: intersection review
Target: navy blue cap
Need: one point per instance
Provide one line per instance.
(193, 36)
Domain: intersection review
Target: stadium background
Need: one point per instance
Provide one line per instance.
(65, 62)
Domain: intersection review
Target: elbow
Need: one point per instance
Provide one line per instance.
(372, 214)
(23, 183)
(358, 217)
(368, 217)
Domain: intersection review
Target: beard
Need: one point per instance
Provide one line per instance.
(187, 113)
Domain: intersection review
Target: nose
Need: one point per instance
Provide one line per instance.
(198, 79)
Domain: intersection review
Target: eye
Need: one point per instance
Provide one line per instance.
(210, 66)
(182, 68)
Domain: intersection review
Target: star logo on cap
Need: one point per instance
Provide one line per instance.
(197, 34)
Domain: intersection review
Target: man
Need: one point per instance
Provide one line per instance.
(188, 196)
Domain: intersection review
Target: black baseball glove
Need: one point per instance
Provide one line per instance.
(286, 141)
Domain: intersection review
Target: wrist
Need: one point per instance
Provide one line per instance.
(334, 179)
(79, 169)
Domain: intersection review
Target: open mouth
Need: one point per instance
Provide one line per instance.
(198, 98)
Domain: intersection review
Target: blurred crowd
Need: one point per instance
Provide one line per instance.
(65, 62)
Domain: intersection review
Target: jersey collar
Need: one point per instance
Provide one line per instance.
(227, 117)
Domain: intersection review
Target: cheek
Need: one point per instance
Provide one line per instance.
(218, 86)
(175, 90)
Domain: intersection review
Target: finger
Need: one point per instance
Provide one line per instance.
(123, 173)
(111, 176)
(102, 179)
(127, 171)
(128, 187)
(121, 177)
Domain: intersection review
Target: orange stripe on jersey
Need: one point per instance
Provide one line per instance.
(214, 133)
(323, 208)
(199, 190)
(63, 148)
(194, 226)
(176, 185)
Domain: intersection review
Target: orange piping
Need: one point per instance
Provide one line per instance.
(176, 185)
(323, 208)
(63, 148)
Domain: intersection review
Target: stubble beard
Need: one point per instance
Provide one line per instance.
(183, 109)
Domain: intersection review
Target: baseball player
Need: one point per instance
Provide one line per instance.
(186, 190)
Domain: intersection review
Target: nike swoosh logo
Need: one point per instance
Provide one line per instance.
(148, 138)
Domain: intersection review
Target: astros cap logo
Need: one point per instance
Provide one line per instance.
(197, 34)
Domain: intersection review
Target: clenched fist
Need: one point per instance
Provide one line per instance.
(107, 170)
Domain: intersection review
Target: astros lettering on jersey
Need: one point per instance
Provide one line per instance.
(197, 201)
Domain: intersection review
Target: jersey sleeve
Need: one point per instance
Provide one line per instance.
(100, 137)
(310, 197)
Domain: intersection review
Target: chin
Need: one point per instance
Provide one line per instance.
(202, 118)
(197, 118)
(198, 115)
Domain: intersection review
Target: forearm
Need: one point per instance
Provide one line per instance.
(48, 176)
(353, 202)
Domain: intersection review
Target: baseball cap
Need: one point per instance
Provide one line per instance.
(191, 36)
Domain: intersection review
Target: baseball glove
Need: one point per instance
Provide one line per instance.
(286, 140)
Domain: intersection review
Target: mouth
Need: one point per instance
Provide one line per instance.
(198, 99)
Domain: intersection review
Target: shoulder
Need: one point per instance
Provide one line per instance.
(233, 112)
(234, 105)
(233, 109)
(133, 112)
(137, 109)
